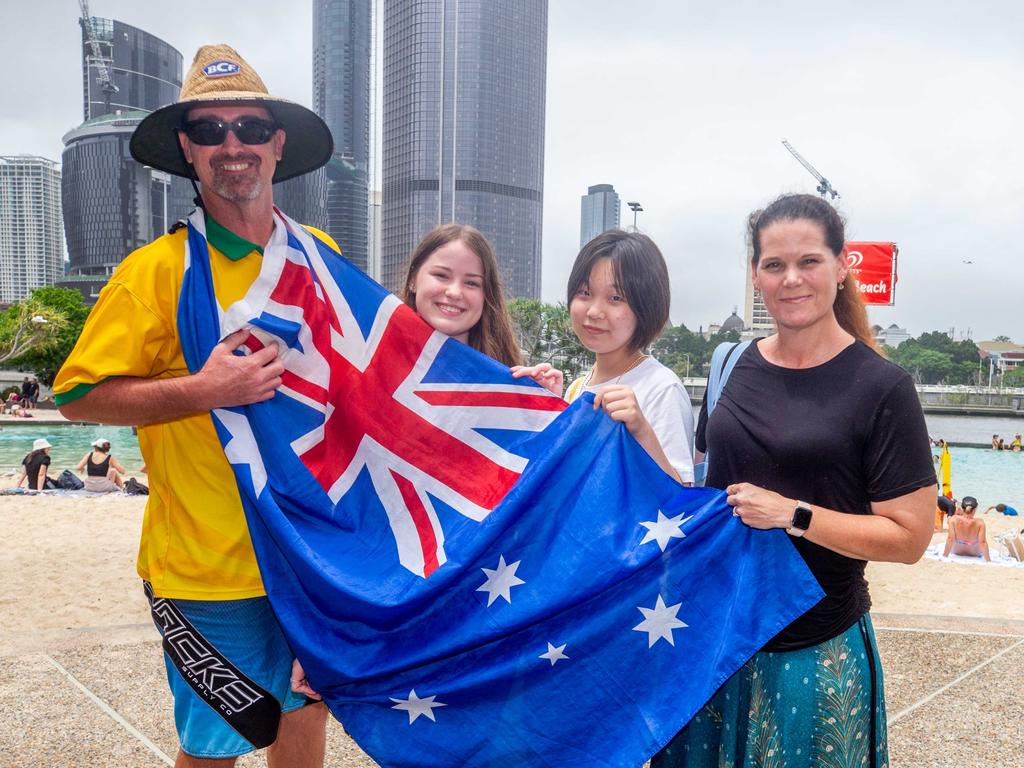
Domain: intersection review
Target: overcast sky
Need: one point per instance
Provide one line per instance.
(913, 110)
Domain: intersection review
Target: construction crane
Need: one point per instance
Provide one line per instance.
(109, 89)
(824, 187)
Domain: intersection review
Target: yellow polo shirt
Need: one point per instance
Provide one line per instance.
(195, 541)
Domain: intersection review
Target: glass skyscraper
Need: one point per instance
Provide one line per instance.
(341, 96)
(145, 70)
(463, 133)
(112, 204)
(31, 247)
(599, 212)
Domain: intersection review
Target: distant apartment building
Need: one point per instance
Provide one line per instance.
(31, 230)
(463, 132)
(600, 210)
(756, 320)
(342, 46)
(892, 336)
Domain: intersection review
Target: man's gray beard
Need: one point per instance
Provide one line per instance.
(229, 192)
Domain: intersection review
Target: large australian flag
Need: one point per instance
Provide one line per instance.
(471, 574)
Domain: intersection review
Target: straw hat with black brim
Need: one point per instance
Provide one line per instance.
(218, 75)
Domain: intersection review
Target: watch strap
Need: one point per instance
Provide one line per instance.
(801, 519)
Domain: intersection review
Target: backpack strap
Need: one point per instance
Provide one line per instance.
(723, 360)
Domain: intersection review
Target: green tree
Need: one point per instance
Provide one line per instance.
(29, 325)
(927, 366)
(1013, 377)
(545, 335)
(65, 303)
(958, 351)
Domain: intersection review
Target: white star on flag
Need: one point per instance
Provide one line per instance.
(554, 654)
(500, 581)
(659, 622)
(664, 529)
(416, 706)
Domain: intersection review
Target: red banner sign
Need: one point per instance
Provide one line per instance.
(874, 266)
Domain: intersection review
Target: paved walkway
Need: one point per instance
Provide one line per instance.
(954, 689)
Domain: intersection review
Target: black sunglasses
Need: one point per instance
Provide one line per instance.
(210, 133)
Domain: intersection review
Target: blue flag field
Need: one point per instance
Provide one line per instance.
(469, 574)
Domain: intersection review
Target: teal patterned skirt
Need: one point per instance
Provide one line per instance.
(822, 706)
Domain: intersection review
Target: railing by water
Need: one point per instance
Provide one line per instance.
(935, 398)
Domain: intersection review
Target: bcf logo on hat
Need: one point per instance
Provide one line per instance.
(220, 68)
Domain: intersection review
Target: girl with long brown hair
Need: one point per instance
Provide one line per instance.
(454, 284)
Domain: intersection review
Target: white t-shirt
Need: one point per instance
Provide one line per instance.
(665, 405)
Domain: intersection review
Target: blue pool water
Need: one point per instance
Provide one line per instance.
(70, 443)
(990, 476)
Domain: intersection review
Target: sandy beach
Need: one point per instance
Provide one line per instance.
(69, 591)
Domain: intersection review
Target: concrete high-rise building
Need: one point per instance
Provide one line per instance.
(112, 204)
(756, 319)
(342, 40)
(31, 231)
(463, 134)
(599, 211)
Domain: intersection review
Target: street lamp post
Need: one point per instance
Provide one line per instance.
(635, 207)
(687, 376)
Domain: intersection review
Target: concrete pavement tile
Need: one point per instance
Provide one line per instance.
(131, 679)
(978, 723)
(916, 663)
(948, 623)
(48, 721)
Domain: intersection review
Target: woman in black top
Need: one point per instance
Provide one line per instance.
(35, 465)
(102, 471)
(817, 434)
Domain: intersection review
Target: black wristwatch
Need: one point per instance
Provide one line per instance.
(801, 520)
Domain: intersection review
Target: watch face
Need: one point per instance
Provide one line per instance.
(802, 518)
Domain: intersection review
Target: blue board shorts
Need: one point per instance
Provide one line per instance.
(229, 669)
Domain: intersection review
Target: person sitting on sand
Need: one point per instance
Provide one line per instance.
(35, 465)
(1005, 509)
(943, 506)
(102, 471)
(966, 534)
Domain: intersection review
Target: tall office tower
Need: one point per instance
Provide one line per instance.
(463, 141)
(599, 212)
(112, 204)
(304, 198)
(341, 96)
(376, 137)
(31, 236)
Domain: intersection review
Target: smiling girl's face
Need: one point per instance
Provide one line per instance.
(449, 290)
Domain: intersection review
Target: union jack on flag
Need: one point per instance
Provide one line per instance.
(459, 565)
(382, 394)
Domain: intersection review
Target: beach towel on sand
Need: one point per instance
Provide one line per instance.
(469, 575)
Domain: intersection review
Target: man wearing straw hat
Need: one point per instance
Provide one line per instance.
(228, 663)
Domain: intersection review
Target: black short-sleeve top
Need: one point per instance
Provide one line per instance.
(840, 435)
